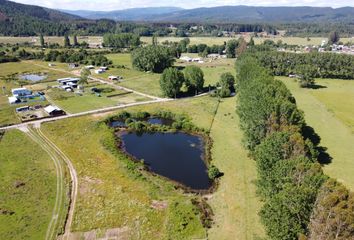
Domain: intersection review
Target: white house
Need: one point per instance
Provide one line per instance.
(90, 67)
(13, 100)
(185, 58)
(99, 71)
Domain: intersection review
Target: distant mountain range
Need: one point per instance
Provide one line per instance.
(226, 14)
(134, 14)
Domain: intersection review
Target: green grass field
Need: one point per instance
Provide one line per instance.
(194, 40)
(330, 112)
(234, 203)
(28, 188)
(110, 198)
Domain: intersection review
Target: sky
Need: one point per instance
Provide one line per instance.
(106, 5)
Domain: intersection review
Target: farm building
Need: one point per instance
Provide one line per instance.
(90, 67)
(68, 84)
(21, 92)
(53, 110)
(13, 100)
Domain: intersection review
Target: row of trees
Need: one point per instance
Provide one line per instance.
(323, 65)
(122, 40)
(290, 180)
(81, 56)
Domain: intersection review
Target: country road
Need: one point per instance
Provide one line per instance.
(101, 110)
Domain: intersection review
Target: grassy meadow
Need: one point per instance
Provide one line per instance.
(28, 188)
(329, 110)
(110, 197)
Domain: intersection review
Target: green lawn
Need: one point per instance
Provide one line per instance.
(28, 188)
(330, 112)
(109, 197)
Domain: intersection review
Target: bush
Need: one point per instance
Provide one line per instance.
(214, 172)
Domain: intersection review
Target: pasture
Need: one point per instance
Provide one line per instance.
(110, 197)
(194, 40)
(329, 110)
(28, 188)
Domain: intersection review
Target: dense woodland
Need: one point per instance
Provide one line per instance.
(299, 200)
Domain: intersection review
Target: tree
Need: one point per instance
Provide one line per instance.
(152, 58)
(194, 78)
(306, 75)
(66, 41)
(41, 40)
(84, 75)
(242, 46)
(231, 48)
(154, 40)
(333, 37)
(251, 43)
(333, 215)
(76, 43)
(171, 82)
(226, 84)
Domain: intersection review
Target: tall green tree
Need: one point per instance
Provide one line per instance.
(306, 75)
(171, 82)
(84, 76)
(66, 41)
(152, 58)
(231, 46)
(41, 40)
(194, 78)
(333, 37)
(75, 42)
(226, 84)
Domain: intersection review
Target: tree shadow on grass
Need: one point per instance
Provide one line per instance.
(317, 86)
(323, 157)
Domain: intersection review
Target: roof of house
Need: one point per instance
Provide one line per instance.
(50, 109)
(69, 79)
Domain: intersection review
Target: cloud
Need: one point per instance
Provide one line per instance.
(98, 5)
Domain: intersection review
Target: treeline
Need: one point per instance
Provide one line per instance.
(66, 56)
(322, 65)
(300, 202)
(122, 40)
(316, 29)
(81, 56)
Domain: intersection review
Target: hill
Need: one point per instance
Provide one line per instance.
(228, 14)
(13, 11)
(133, 14)
(20, 19)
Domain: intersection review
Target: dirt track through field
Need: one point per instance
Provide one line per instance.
(57, 217)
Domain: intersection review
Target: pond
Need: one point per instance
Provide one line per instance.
(177, 156)
(160, 121)
(33, 77)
